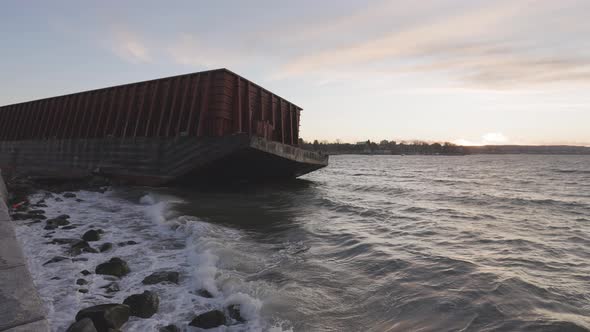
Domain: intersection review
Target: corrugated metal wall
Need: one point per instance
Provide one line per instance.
(212, 103)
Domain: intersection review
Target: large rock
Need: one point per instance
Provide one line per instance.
(114, 267)
(69, 195)
(91, 235)
(163, 276)
(83, 325)
(204, 293)
(54, 223)
(27, 216)
(209, 320)
(106, 316)
(143, 305)
(170, 328)
(106, 247)
(234, 312)
(80, 247)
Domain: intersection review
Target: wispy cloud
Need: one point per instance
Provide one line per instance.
(500, 44)
(129, 46)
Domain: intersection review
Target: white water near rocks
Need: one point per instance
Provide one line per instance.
(165, 242)
(371, 243)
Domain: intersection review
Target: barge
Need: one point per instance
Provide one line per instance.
(211, 125)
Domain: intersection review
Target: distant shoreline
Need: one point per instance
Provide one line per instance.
(335, 149)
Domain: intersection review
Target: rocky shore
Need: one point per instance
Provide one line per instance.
(78, 243)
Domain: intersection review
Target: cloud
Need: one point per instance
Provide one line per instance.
(129, 46)
(495, 138)
(497, 45)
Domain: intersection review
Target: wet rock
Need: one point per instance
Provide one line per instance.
(84, 325)
(143, 305)
(113, 287)
(170, 328)
(209, 320)
(83, 290)
(163, 276)
(91, 250)
(64, 241)
(69, 227)
(34, 222)
(79, 247)
(234, 313)
(81, 282)
(63, 216)
(25, 216)
(114, 267)
(57, 199)
(91, 235)
(80, 259)
(204, 293)
(86, 272)
(106, 247)
(55, 260)
(54, 223)
(69, 195)
(55, 278)
(106, 316)
(127, 243)
(79, 200)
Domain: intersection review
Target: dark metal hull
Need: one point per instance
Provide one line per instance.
(160, 161)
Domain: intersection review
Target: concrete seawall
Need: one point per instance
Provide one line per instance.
(21, 309)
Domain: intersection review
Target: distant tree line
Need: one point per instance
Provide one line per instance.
(384, 147)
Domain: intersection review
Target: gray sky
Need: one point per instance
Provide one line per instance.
(466, 71)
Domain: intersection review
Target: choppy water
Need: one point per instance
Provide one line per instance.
(371, 243)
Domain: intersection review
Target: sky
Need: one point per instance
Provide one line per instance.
(465, 71)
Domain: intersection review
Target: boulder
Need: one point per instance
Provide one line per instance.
(54, 223)
(83, 325)
(143, 305)
(83, 290)
(69, 195)
(81, 246)
(163, 276)
(204, 293)
(86, 272)
(24, 216)
(81, 282)
(79, 200)
(209, 320)
(170, 328)
(55, 260)
(69, 227)
(114, 267)
(106, 246)
(234, 313)
(80, 259)
(91, 235)
(106, 316)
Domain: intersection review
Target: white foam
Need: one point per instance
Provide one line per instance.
(203, 253)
